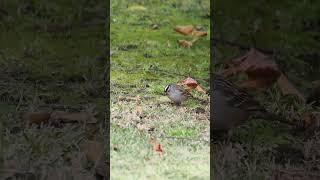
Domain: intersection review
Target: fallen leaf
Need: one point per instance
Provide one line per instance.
(185, 30)
(156, 146)
(190, 82)
(185, 43)
(83, 117)
(287, 88)
(36, 117)
(201, 89)
(139, 111)
(199, 33)
(261, 69)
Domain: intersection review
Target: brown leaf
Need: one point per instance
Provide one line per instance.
(185, 30)
(261, 69)
(190, 82)
(199, 33)
(185, 43)
(36, 117)
(287, 88)
(156, 146)
(92, 150)
(201, 89)
(83, 117)
(139, 111)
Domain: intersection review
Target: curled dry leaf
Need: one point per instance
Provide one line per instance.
(185, 30)
(139, 111)
(156, 146)
(185, 43)
(201, 89)
(288, 88)
(36, 117)
(199, 33)
(190, 30)
(261, 69)
(190, 82)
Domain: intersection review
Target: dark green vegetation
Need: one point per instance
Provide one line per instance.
(143, 61)
(51, 58)
(260, 149)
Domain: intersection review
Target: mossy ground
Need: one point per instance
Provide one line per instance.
(144, 60)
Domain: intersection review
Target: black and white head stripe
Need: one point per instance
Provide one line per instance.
(166, 89)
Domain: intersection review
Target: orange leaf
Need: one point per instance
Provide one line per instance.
(185, 43)
(287, 88)
(185, 30)
(157, 147)
(199, 33)
(190, 82)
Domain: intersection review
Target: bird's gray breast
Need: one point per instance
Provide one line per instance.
(176, 95)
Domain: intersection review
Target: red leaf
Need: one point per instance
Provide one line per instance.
(190, 82)
(157, 147)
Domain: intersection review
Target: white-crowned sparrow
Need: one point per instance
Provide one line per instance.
(176, 93)
(232, 106)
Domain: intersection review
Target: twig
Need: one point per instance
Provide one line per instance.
(182, 138)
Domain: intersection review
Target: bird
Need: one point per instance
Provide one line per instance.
(176, 93)
(233, 106)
